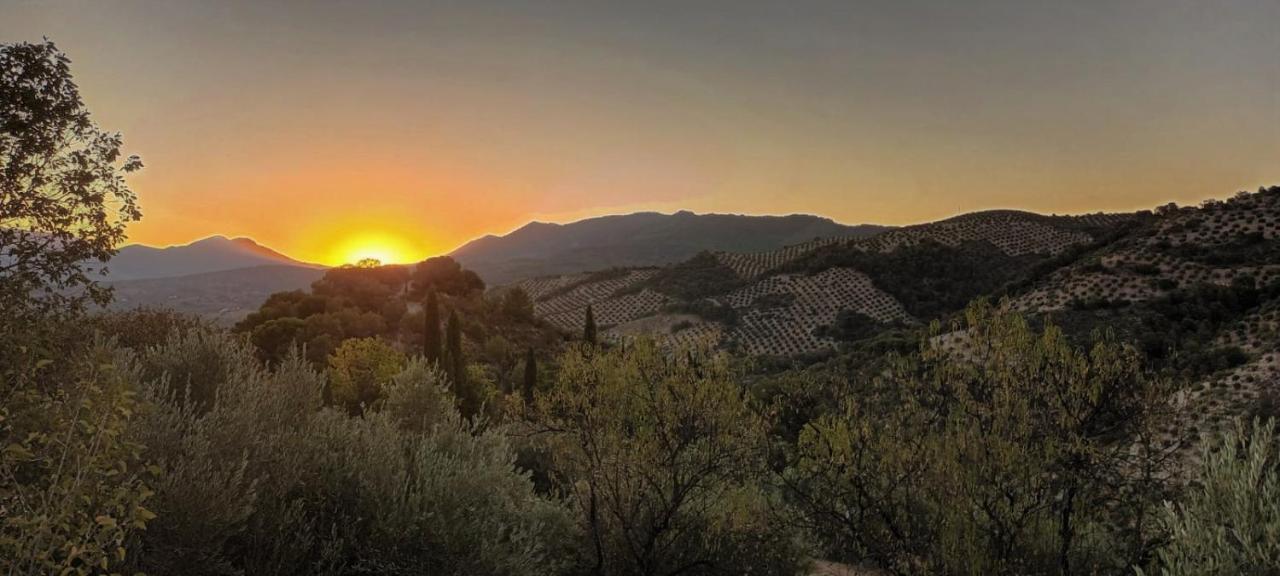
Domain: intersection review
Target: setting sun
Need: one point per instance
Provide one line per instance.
(383, 247)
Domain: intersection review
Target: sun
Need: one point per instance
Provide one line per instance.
(384, 248)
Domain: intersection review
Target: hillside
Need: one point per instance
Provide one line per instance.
(225, 296)
(640, 239)
(213, 254)
(1195, 289)
(805, 298)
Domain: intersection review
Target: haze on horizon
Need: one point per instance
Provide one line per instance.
(325, 128)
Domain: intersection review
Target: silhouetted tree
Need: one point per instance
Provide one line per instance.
(530, 376)
(431, 329)
(457, 364)
(589, 327)
(445, 275)
(64, 203)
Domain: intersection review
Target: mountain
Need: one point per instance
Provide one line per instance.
(213, 254)
(223, 296)
(640, 239)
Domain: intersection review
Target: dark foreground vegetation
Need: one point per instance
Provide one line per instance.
(371, 426)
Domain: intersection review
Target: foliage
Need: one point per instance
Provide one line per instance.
(1228, 522)
(1179, 330)
(852, 325)
(268, 481)
(141, 328)
(702, 276)
(431, 343)
(663, 459)
(64, 202)
(930, 279)
(1012, 454)
(589, 327)
(517, 304)
(446, 276)
(358, 370)
(530, 383)
(72, 484)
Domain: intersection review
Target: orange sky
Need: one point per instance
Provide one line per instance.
(330, 130)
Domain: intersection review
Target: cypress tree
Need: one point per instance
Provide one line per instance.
(457, 365)
(530, 376)
(589, 327)
(431, 332)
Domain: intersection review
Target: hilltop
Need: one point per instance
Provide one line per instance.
(212, 254)
(639, 239)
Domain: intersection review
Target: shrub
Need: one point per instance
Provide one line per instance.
(1228, 521)
(1015, 454)
(265, 480)
(662, 457)
(72, 483)
(358, 369)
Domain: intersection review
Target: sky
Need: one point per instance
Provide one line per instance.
(402, 129)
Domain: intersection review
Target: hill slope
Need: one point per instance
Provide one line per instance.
(807, 297)
(213, 254)
(224, 296)
(1195, 289)
(640, 239)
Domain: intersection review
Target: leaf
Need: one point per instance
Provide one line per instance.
(18, 452)
(105, 521)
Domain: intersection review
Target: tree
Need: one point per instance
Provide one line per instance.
(358, 370)
(663, 457)
(64, 201)
(72, 485)
(589, 327)
(517, 305)
(456, 361)
(445, 275)
(1015, 453)
(530, 377)
(431, 330)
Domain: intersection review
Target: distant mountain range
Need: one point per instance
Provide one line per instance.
(225, 278)
(213, 254)
(640, 239)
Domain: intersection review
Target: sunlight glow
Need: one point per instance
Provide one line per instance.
(386, 248)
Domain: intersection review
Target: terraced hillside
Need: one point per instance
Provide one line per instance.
(808, 297)
(1217, 243)
(1199, 291)
(1013, 233)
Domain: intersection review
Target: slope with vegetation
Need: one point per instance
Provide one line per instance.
(640, 239)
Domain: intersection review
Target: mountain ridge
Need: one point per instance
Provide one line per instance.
(636, 239)
(215, 253)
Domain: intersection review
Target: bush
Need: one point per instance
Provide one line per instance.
(72, 483)
(1228, 522)
(662, 457)
(1015, 454)
(265, 480)
(358, 369)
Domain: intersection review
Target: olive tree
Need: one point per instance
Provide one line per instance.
(662, 455)
(1008, 451)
